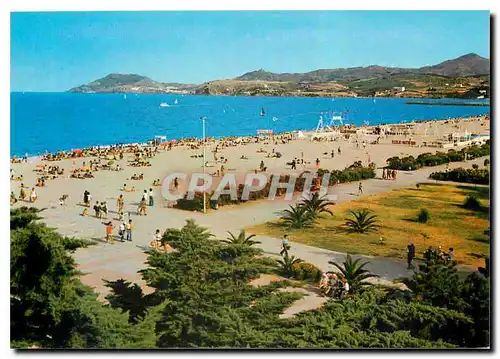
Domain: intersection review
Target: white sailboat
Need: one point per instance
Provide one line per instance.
(176, 102)
(164, 104)
(124, 97)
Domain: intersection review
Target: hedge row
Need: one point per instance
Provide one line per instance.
(411, 163)
(470, 175)
(355, 172)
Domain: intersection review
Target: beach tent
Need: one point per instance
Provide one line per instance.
(300, 134)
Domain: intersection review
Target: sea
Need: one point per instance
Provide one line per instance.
(43, 122)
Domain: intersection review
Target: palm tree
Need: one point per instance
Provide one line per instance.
(241, 238)
(354, 272)
(317, 205)
(286, 263)
(362, 222)
(297, 217)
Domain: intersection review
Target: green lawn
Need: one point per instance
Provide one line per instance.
(450, 224)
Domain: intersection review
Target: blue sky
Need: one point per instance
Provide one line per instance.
(59, 50)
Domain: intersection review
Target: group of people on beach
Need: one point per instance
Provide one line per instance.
(389, 174)
(23, 196)
(125, 230)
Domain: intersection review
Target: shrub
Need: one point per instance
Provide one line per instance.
(472, 202)
(306, 271)
(195, 204)
(362, 221)
(477, 176)
(423, 216)
(438, 158)
(486, 162)
(474, 166)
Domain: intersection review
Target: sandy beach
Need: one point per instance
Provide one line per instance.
(106, 184)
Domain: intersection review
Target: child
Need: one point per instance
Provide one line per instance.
(285, 245)
(158, 237)
(12, 198)
(33, 195)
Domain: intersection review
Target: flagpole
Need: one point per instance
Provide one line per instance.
(204, 162)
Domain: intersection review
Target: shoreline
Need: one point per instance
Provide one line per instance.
(227, 95)
(223, 138)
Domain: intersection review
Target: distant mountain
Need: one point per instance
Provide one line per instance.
(130, 83)
(466, 65)
(465, 76)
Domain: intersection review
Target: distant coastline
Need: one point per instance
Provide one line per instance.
(441, 103)
(466, 77)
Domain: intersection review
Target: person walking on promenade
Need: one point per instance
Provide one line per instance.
(119, 203)
(130, 228)
(109, 232)
(142, 208)
(151, 200)
(360, 189)
(104, 210)
(97, 210)
(383, 174)
(410, 253)
(121, 231)
(86, 198)
(317, 162)
(285, 245)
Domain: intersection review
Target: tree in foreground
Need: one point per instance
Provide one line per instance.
(362, 221)
(203, 298)
(49, 306)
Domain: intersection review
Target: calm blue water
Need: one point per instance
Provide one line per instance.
(57, 121)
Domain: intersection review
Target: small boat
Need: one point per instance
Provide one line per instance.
(164, 104)
(176, 102)
(262, 112)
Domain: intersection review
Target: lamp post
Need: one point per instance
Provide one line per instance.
(203, 119)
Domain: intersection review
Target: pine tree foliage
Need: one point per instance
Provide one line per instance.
(203, 298)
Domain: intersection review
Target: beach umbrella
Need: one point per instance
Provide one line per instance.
(77, 150)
